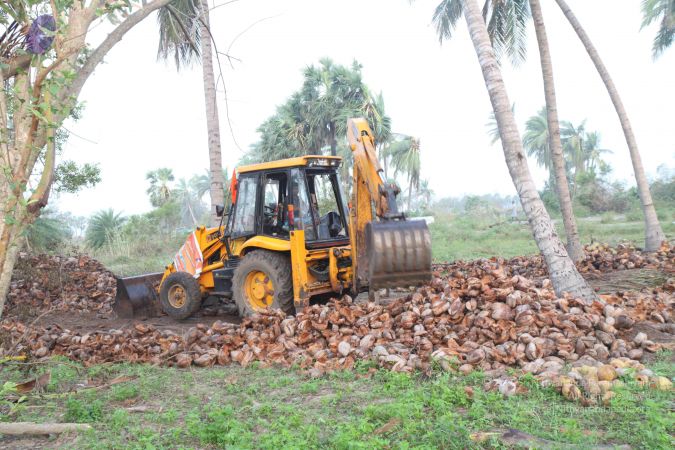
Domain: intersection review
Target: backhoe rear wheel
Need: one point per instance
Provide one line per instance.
(263, 280)
(179, 295)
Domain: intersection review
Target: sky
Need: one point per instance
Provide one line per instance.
(141, 114)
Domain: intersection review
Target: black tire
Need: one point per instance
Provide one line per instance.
(192, 300)
(277, 267)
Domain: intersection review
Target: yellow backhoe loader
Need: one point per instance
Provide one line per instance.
(291, 236)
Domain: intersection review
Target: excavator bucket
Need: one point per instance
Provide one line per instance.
(137, 296)
(399, 253)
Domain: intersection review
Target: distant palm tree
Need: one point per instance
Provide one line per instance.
(188, 201)
(662, 11)
(574, 140)
(103, 227)
(159, 190)
(535, 139)
(491, 125)
(201, 184)
(593, 153)
(47, 232)
(405, 155)
(426, 193)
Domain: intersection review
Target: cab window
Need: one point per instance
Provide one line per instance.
(244, 213)
(275, 205)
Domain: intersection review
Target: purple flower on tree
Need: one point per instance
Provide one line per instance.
(41, 34)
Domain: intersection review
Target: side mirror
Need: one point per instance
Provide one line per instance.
(220, 209)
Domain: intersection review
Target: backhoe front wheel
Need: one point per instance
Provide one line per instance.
(180, 295)
(263, 280)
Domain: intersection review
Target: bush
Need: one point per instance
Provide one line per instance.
(83, 412)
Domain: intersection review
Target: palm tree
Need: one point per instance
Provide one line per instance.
(574, 139)
(426, 193)
(47, 232)
(188, 201)
(654, 235)
(201, 184)
(313, 118)
(662, 11)
(535, 139)
(103, 227)
(506, 25)
(563, 273)
(574, 248)
(159, 190)
(405, 155)
(593, 152)
(185, 34)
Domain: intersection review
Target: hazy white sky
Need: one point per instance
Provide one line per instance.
(141, 114)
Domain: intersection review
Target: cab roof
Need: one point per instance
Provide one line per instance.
(299, 161)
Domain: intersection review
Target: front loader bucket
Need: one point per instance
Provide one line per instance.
(399, 253)
(137, 296)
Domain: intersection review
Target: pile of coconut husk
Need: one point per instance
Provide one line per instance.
(598, 259)
(473, 315)
(43, 283)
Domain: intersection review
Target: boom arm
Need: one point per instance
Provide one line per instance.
(372, 198)
(367, 173)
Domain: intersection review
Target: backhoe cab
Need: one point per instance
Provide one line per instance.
(290, 235)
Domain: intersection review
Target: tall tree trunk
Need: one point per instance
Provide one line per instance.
(654, 235)
(563, 273)
(9, 250)
(574, 248)
(333, 140)
(409, 195)
(212, 124)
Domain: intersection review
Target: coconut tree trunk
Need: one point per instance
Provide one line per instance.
(409, 195)
(213, 126)
(654, 235)
(573, 245)
(563, 273)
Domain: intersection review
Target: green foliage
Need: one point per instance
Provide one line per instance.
(81, 411)
(125, 391)
(104, 227)
(218, 426)
(48, 232)
(313, 119)
(69, 177)
(160, 186)
(663, 12)
(506, 25)
(179, 32)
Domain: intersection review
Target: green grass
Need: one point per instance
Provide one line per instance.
(233, 407)
(463, 237)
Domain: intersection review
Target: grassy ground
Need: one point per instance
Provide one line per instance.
(469, 238)
(273, 408)
(453, 237)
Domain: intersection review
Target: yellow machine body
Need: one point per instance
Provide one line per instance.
(374, 245)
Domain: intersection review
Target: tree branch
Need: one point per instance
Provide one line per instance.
(40, 197)
(113, 38)
(16, 64)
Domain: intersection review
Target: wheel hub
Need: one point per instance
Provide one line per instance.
(259, 290)
(177, 296)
